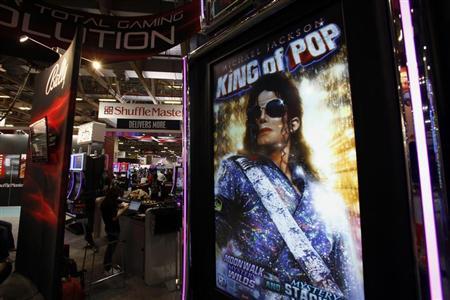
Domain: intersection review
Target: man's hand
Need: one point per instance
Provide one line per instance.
(124, 204)
(122, 209)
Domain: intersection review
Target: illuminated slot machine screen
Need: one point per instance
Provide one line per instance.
(77, 161)
(123, 167)
(177, 180)
(286, 143)
(286, 187)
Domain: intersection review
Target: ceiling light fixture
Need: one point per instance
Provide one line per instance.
(5, 96)
(155, 75)
(163, 75)
(96, 65)
(168, 98)
(172, 102)
(24, 108)
(79, 99)
(106, 100)
(23, 38)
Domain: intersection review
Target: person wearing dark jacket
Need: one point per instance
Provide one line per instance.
(111, 210)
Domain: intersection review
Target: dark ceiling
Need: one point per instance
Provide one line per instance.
(117, 79)
(118, 7)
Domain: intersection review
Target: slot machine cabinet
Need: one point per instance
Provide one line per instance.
(312, 43)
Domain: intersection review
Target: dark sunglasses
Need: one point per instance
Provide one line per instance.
(274, 108)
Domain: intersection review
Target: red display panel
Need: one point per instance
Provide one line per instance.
(41, 231)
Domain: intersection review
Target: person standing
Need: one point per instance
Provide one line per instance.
(111, 211)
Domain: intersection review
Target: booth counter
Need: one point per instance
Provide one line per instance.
(151, 242)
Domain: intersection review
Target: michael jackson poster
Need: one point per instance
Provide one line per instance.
(286, 186)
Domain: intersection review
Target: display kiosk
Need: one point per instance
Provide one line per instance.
(339, 183)
(76, 182)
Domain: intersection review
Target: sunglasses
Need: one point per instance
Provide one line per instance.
(274, 108)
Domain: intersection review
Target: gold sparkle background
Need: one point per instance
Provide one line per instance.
(327, 126)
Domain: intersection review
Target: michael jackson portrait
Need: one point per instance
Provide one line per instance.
(286, 195)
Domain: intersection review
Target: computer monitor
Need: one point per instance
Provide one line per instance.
(134, 206)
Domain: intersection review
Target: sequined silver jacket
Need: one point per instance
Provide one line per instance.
(245, 230)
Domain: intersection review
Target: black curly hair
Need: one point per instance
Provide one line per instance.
(283, 87)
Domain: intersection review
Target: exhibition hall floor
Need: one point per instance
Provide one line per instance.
(120, 287)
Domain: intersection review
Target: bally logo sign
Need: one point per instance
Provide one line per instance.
(139, 111)
(57, 76)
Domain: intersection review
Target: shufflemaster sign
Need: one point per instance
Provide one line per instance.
(140, 111)
(142, 116)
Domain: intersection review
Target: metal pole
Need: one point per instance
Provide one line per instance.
(10, 182)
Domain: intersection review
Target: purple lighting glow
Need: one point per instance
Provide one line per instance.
(202, 9)
(434, 269)
(185, 171)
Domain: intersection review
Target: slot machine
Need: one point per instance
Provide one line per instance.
(297, 176)
(75, 205)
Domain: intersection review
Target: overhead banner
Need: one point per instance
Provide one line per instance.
(107, 110)
(41, 231)
(286, 186)
(106, 37)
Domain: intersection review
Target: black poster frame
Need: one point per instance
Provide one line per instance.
(387, 236)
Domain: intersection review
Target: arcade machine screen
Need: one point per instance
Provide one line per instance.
(123, 167)
(77, 162)
(286, 187)
(177, 181)
(39, 141)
